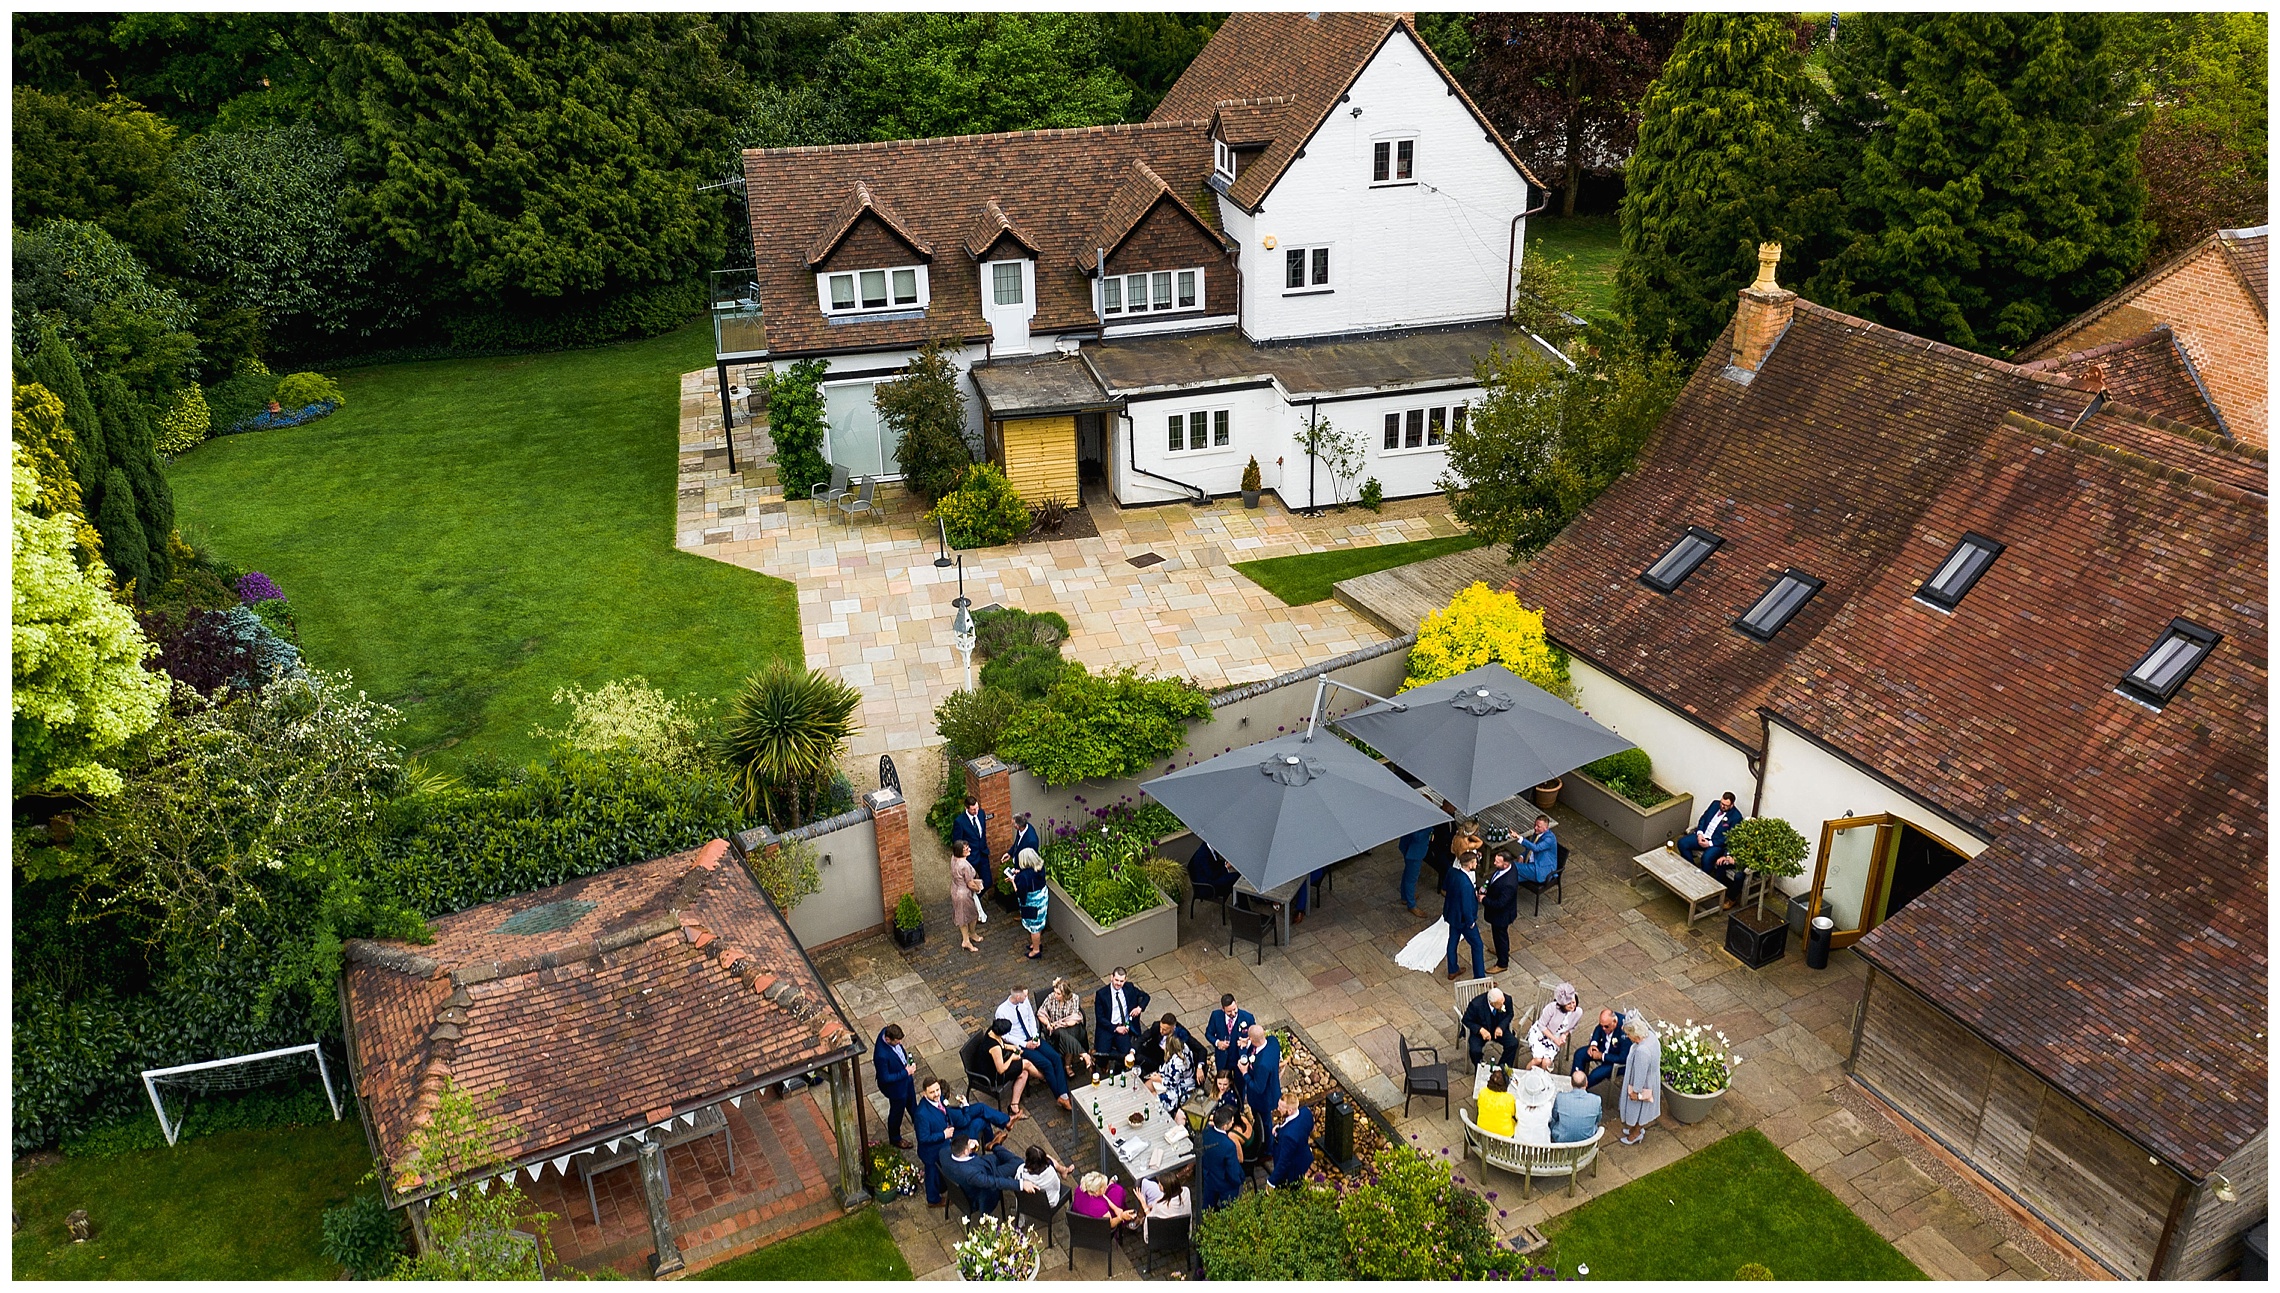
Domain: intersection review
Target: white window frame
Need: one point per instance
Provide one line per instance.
(1222, 159)
(1392, 145)
(1446, 416)
(1150, 279)
(1217, 420)
(998, 272)
(1328, 282)
(855, 276)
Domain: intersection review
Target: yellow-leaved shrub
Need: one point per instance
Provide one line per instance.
(1480, 625)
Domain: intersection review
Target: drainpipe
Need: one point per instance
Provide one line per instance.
(1512, 255)
(1313, 423)
(727, 412)
(1132, 449)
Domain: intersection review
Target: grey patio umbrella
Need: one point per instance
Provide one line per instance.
(1483, 736)
(1279, 809)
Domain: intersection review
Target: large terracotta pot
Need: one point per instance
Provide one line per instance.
(1690, 1108)
(1548, 794)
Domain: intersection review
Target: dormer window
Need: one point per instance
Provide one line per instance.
(1222, 159)
(901, 287)
(1162, 291)
(1959, 572)
(1779, 605)
(1005, 282)
(2179, 651)
(1393, 161)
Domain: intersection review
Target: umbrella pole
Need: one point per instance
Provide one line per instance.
(1322, 688)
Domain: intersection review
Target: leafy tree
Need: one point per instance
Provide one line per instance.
(1450, 36)
(1991, 181)
(918, 75)
(199, 69)
(473, 1228)
(79, 691)
(133, 444)
(112, 447)
(1339, 453)
(1717, 171)
(1544, 441)
(627, 714)
(777, 47)
(783, 737)
(927, 414)
(1150, 49)
(47, 447)
(1546, 300)
(2204, 150)
(102, 162)
(1565, 87)
(124, 544)
(74, 275)
(795, 425)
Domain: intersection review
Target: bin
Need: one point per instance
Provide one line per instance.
(1800, 906)
(1817, 943)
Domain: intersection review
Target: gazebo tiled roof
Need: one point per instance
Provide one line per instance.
(590, 1010)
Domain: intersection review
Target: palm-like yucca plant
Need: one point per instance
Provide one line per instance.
(785, 732)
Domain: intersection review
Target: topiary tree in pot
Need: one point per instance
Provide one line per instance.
(1767, 846)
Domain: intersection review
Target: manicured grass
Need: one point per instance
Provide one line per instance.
(855, 1248)
(1741, 1200)
(1595, 242)
(1308, 576)
(242, 1205)
(468, 536)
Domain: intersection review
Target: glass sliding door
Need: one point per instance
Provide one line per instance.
(853, 438)
(1848, 879)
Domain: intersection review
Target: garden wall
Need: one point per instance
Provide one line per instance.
(861, 880)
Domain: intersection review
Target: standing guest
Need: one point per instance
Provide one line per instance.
(1460, 906)
(1024, 837)
(1024, 1031)
(1488, 1022)
(1097, 1196)
(1596, 1061)
(1467, 839)
(1209, 875)
(1642, 1079)
(984, 1174)
(1218, 1163)
(1542, 849)
(936, 1127)
(1116, 1021)
(1062, 1017)
(1414, 846)
(972, 829)
(1532, 1108)
(1500, 904)
(1041, 1173)
(1262, 1074)
(1575, 1112)
(1553, 1027)
(1705, 845)
(890, 1063)
(1173, 1079)
(1225, 1031)
(1029, 886)
(1153, 1046)
(965, 891)
(1438, 858)
(1294, 1142)
(1494, 1113)
(1165, 1197)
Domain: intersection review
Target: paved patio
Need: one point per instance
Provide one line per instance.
(874, 608)
(1620, 943)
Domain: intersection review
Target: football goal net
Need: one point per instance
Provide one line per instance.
(171, 1089)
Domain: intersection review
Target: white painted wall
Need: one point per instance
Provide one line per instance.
(1401, 256)
(1807, 786)
(847, 861)
(874, 361)
(1686, 757)
(1255, 426)
(1403, 472)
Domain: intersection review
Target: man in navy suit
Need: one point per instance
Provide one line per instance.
(1608, 1047)
(1294, 1145)
(1262, 1074)
(1117, 1025)
(1152, 1045)
(1024, 837)
(1488, 1022)
(1209, 873)
(1226, 1031)
(973, 826)
(1218, 1165)
(1500, 904)
(1705, 845)
(1460, 906)
(982, 1174)
(890, 1062)
(938, 1124)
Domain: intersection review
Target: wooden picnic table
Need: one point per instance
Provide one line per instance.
(1123, 1145)
(1699, 890)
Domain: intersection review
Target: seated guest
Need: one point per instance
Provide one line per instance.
(1552, 1028)
(1097, 1196)
(1117, 1022)
(1294, 1142)
(1705, 845)
(1166, 1197)
(1062, 1016)
(981, 1121)
(1596, 1061)
(1041, 1173)
(938, 1130)
(1532, 1110)
(1488, 1022)
(1151, 1051)
(1024, 1030)
(1539, 853)
(984, 1174)
(1010, 1063)
(1225, 1031)
(1219, 1167)
(1210, 875)
(1174, 1078)
(1575, 1112)
(1496, 1104)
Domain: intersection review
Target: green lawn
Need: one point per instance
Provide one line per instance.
(856, 1248)
(1741, 1200)
(1595, 242)
(469, 535)
(241, 1205)
(1308, 576)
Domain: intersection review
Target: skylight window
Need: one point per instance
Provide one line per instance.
(1960, 571)
(1671, 569)
(2180, 650)
(1779, 605)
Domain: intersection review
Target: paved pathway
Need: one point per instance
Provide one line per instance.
(874, 608)
(1620, 944)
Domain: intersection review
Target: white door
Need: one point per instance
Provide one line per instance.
(1008, 292)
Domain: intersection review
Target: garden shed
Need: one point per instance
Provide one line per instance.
(1041, 415)
(640, 1039)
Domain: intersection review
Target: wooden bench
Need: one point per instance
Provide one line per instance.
(1528, 1161)
(1699, 890)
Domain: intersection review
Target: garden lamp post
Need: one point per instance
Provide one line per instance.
(942, 553)
(962, 623)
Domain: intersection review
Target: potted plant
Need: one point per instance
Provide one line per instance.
(1771, 848)
(1548, 794)
(1695, 1068)
(1251, 483)
(910, 922)
(996, 1249)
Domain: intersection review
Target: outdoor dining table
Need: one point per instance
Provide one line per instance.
(1281, 896)
(1123, 1145)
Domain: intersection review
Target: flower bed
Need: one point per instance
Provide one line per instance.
(1102, 864)
(890, 1175)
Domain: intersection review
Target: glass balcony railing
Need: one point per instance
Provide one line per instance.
(735, 302)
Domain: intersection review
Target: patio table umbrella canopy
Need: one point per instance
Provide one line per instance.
(1281, 808)
(1483, 736)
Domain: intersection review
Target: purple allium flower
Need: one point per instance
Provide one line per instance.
(254, 586)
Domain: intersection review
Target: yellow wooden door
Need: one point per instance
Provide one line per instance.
(1041, 457)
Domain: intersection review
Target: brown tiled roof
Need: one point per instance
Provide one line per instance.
(860, 201)
(1862, 456)
(1050, 184)
(2245, 254)
(1313, 58)
(639, 993)
(990, 224)
(2147, 370)
(1135, 195)
(2250, 252)
(1251, 123)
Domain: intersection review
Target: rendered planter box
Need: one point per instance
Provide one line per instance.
(1641, 828)
(1127, 943)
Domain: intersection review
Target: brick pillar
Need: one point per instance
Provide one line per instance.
(1763, 313)
(989, 780)
(890, 821)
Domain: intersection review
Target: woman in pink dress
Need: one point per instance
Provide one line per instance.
(965, 908)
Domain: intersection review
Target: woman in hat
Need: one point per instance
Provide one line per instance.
(1532, 1114)
(1552, 1028)
(1642, 1079)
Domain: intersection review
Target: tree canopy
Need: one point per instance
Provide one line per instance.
(1565, 87)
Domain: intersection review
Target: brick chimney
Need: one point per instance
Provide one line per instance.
(1763, 314)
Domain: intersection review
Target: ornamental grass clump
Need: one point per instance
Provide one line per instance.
(1692, 1062)
(995, 1249)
